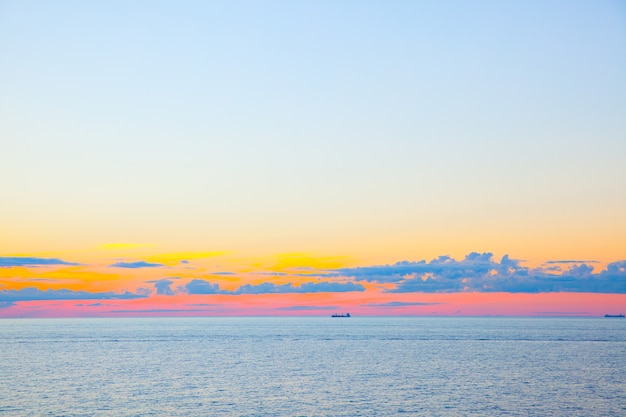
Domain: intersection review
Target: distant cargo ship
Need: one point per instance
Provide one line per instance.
(341, 315)
(621, 316)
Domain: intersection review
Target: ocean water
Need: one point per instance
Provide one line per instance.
(313, 367)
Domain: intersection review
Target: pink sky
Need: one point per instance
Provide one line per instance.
(457, 304)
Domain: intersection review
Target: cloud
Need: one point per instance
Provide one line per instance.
(331, 287)
(307, 308)
(570, 262)
(562, 313)
(143, 291)
(163, 287)
(444, 266)
(6, 304)
(204, 305)
(139, 264)
(161, 310)
(198, 286)
(479, 272)
(309, 287)
(400, 304)
(34, 294)
(9, 261)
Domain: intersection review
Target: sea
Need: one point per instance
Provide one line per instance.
(313, 366)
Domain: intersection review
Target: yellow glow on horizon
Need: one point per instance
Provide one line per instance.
(72, 278)
(289, 261)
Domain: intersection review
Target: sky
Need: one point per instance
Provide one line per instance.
(306, 158)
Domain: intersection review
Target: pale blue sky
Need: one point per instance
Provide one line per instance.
(349, 121)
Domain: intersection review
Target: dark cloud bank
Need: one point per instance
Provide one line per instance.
(135, 265)
(10, 261)
(479, 272)
(33, 294)
(198, 286)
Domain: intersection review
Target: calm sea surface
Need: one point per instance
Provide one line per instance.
(313, 367)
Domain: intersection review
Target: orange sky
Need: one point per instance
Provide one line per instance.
(163, 285)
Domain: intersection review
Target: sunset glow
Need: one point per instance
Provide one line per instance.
(309, 158)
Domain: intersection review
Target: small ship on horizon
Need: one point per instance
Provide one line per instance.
(341, 315)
